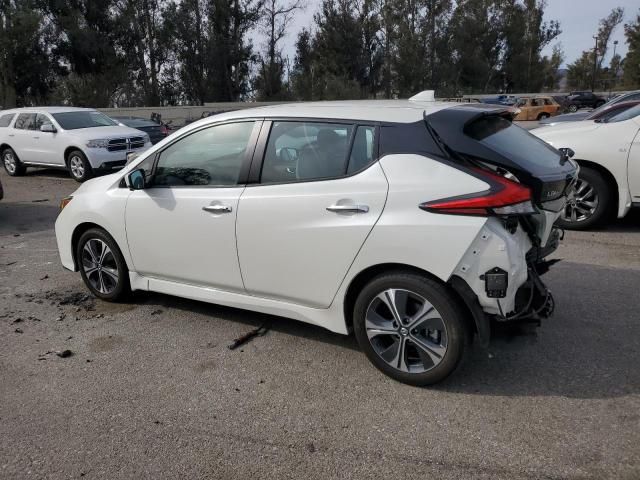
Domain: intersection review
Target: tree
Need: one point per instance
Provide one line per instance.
(550, 67)
(302, 74)
(632, 60)
(275, 20)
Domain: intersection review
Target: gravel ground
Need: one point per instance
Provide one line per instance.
(151, 390)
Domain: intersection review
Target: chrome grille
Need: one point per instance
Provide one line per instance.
(125, 144)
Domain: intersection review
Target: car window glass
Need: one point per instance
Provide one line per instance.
(626, 115)
(25, 121)
(548, 102)
(83, 119)
(40, 120)
(362, 152)
(212, 156)
(5, 120)
(305, 151)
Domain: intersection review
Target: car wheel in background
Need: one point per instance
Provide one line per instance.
(102, 265)
(589, 203)
(542, 116)
(12, 163)
(410, 327)
(79, 166)
(573, 108)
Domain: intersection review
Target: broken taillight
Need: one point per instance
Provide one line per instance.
(504, 197)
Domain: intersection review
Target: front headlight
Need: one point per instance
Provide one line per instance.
(98, 143)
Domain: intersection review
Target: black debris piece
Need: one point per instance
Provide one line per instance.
(256, 332)
(18, 330)
(64, 353)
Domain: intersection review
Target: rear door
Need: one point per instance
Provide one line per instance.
(20, 137)
(319, 193)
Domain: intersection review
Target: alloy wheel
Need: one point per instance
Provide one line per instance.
(406, 331)
(99, 265)
(10, 162)
(582, 203)
(76, 164)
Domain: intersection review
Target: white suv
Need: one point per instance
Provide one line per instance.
(81, 140)
(412, 224)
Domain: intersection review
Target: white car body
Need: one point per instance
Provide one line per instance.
(612, 148)
(286, 248)
(36, 148)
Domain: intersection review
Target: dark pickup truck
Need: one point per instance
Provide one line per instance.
(576, 100)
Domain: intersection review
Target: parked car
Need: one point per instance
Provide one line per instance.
(576, 116)
(410, 223)
(536, 108)
(156, 132)
(501, 100)
(608, 153)
(601, 114)
(578, 100)
(81, 140)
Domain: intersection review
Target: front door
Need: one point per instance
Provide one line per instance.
(46, 146)
(634, 163)
(182, 227)
(320, 194)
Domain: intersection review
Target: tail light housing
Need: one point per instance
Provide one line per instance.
(504, 198)
(164, 130)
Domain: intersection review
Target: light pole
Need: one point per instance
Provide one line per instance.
(615, 73)
(595, 64)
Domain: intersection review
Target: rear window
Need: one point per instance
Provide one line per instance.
(513, 142)
(5, 120)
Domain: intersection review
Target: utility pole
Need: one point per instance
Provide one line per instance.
(615, 73)
(595, 65)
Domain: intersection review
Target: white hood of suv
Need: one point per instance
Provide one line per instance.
(96, 133)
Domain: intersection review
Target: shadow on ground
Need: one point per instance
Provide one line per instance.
(23, 217)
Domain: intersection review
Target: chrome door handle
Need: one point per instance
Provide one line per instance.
(348, 208)
(217, 208)
(36, 138)
(11, 135)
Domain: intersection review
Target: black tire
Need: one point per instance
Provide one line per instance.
(12, 164)
(100, 274)
(573, 108)
(78, 166)
(452, 330)
(602, 210)
(542, 116)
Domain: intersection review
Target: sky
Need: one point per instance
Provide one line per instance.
(578, 21)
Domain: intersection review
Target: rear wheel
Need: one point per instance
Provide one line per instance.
(410, 327)
(102, 265)
(79, 166)
(588, 203)
(12, 163)
(542, 116)
(573, 108)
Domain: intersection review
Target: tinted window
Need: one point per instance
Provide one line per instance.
(25, 121)
(626, 115)
(5, 120)
(83, 119)
(305, 151)
(512, 142)
(548, 101)
(40, 120)
(363, 150)
(213, 156)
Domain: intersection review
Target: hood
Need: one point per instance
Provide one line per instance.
(95, 133)
(566, 129)
(101, 184)
(566, 117)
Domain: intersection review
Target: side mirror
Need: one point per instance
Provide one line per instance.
(48, 127)
(567, 152)
(136, 180)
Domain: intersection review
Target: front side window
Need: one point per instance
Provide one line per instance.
(25, 121)
(5, 120)
(40, 120)
(83, 119)
(212, 156)
(306, 151)
(626, 115)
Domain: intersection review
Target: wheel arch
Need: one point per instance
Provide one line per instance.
(77, 233)
(70, 149)
(359, 281)
(5, 145)
(608, 177)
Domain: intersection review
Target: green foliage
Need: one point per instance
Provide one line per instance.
(632, 60)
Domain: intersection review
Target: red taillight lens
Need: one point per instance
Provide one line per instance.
(505, 197)
(164, 130)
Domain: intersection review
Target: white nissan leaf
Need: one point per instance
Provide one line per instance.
(412, 224)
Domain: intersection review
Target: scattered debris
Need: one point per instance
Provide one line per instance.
(88, 360)
(64, 353)
(40, 200)
(157, 422)
(261, 381)
(237, 389)
(18, 320)
(257, 332)
(34, 319)
(45, 277)
(16, 234)
(490, 355)
(156, 312)
(61, 317)
(311, 448)
(18, 330)
(69, 337)
(8, 264)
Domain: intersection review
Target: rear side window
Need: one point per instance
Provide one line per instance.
(512, 142)
(363, 150)
(25, 121)
(5, 120)
(306, 151)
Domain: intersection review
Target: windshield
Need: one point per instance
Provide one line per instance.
(626, 115)
(513, 142)
(83, 119)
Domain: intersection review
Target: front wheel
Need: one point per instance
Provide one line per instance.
(102, 266)
(79, 166)
(542, 116)
(588, 203)
(573, 108)
(410, 328)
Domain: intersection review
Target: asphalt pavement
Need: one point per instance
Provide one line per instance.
(152, 391)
